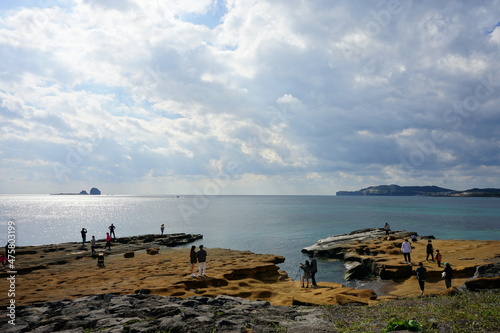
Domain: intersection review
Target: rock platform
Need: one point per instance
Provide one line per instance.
(144, 264)
(370, 253)
(151, 313)
(146, 285)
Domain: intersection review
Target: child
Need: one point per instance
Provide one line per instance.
(438, 258)
(307, 273)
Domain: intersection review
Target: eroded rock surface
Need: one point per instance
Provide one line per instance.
(371, 251)
(152, 313)
(51, 273)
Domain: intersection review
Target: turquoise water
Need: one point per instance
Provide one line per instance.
(280, 225)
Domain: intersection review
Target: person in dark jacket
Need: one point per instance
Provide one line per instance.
(112, 231)
(193, 259)
(201, 255)
(429, 251)
(447, 274)
(84, 236)
(313, 269)
(420, 272)
(387, 228)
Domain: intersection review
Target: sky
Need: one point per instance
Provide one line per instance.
(216, 97)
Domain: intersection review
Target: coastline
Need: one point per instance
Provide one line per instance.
(59, 271)
(66, 271)
(145, 285)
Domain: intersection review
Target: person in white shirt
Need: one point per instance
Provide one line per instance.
(406, 249)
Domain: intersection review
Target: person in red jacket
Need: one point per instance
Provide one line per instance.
(108, 241)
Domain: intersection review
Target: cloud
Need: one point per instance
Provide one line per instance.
(286, 97)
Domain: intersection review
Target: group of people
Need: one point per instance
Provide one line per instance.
(310, 268)
(109, 237)
(429, 250)
(198, 257)
(421, 271)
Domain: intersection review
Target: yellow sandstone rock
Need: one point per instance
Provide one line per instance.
(47, 275)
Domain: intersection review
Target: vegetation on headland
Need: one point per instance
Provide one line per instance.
(466, 312)
(435, 191)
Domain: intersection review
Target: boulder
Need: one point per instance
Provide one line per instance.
(153, 250)
(129, 254)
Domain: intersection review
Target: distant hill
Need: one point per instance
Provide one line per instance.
(396, 190)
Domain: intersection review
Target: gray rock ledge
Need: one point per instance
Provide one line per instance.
(151, 313)
(333, 245)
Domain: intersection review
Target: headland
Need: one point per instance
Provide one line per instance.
(432, 191)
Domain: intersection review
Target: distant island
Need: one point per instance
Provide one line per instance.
(434, 191)
(93, 191)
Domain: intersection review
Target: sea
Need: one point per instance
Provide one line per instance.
(280, 225)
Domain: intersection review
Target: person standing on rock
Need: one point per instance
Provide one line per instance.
(306, 267)
(447, 274)
(112, 230)
(193, 259)
(313, 269)
(92, 245)
(201, 255)
(84, 236)
(420, 272)
(406, 249)
(429, 250)
(162, 228)
(108, 241)
(439, 257)
(387, 228)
